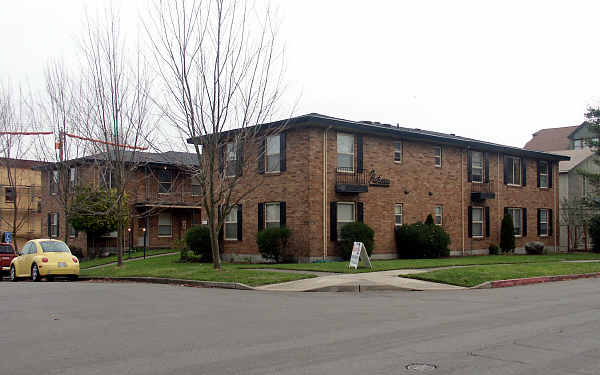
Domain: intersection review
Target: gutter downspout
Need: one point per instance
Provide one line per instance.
(325, 193)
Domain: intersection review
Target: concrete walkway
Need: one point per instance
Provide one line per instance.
(346, 282)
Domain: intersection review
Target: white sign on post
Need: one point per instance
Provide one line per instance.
(359, 252)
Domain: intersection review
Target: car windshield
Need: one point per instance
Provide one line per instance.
(54, 247)
(6, 249)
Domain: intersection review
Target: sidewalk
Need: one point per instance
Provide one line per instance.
(360, 282)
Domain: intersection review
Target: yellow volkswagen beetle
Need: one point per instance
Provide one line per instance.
(44, 257)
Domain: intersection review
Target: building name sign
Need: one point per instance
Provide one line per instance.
(375, 180)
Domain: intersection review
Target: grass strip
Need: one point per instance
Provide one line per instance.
(113, 258)
(168, 266)
(475, 275)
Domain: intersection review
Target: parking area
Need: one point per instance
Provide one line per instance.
(112, 328)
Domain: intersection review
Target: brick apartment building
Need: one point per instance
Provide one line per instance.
(163, 199)
(321, 172)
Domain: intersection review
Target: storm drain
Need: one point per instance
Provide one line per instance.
(421, 367)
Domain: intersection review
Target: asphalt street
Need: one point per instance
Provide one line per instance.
(83, 328)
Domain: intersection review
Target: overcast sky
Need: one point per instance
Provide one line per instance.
(495, 71)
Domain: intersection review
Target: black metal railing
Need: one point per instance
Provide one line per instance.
(483, 187)
(350, 176)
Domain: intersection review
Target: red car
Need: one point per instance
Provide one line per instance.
(7, 253)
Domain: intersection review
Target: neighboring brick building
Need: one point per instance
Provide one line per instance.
(321, 172)
(161, 194)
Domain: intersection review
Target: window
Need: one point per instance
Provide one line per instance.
(53, 182)
(165, 181)
(398, 215)
(165, 225)
(272, 218)
(231, 232)
(196, 187)
(345, 215)
(345, 152)
(543, 174)
(513, 171)
(53, 224)
(437, 156)
(439, 213)
(543, 222)
(398, 152)
(517, 218)
(477, 221)
(72, 178)
(231, 160)
(107, 179)
(476, 166)
(273, 153)
(578, 144)
(10, 194)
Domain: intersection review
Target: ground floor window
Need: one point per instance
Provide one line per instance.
(165, 224)
(543, 222)
(517, 217)
(231, 231)
(53, 224)
(439, 213)
(477, 221)
(398, 210)
(345, 215)
(272, 217)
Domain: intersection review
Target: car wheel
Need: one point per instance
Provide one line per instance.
(35, 273)
(73, 277)
(13, 274)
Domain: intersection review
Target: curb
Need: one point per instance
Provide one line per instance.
(358, 288)
(534, 280)
(179, 282)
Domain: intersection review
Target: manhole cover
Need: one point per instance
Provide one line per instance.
(421, 367)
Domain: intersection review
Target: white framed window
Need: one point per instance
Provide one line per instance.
(543, 222)
(345, 215)
(476, 166)
(196, 187)
(477, 221)
(398, 152)
(231, 155)
(543, 174)
(517, 218)
(54, 182)
(54, 224)
(437, 156)
(72, 178)
(165, 181)
(273, 156)
(398, 211)
(513, 171)
(165, 224)
(272, 215)
(345, 152)
(231, 232)
(439, 214)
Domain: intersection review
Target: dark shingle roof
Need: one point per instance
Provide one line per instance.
(550, 139)
(170, 158)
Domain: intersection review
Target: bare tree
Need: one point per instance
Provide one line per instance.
(221, 70)
(575, 214)
(16, 128)
(113, 113)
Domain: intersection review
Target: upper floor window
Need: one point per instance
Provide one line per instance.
(273, 153)
(513, 170)
(231, 154)
(578, 144)
(543, 173)
(437, 156)
(439, 213)
(165, 181)
(53, 182)
(476, 166)
(398, 219)
(107, 179)
(398, 152)
(196, 187)
(345, 152)
(72, 178)
(10, 194)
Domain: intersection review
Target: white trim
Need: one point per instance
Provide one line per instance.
(233, 212)
(435, 148)
(401, 214)
(351, 168)
(267, 154)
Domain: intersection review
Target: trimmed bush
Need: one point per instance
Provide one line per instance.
(422, 241)
(272, 243)
(429, 220)
(594, 229)
(355, 232)
(197, 239)
(507, 234)
(534, 248)
(493, 249)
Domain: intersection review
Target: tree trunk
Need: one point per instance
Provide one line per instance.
(214, 245)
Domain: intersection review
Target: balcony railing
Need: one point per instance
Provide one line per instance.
(349, 180)
(172, 198)
(482, 191)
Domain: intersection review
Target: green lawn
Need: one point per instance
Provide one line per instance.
(471, 276)
(168, 266)
(113, 258)
(396, 264)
